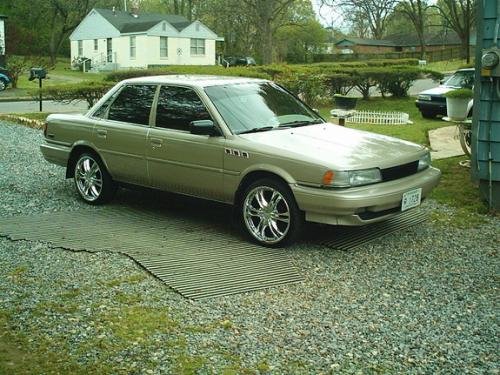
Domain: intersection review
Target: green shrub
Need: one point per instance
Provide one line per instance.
(462, 93)
(91, 92)
(310, 88)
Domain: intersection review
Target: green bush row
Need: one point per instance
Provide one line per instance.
(90, 92)
(315, 83)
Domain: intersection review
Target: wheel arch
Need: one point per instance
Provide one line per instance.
(253, 175)
(77, 150)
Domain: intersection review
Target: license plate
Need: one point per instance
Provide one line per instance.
(411, 199)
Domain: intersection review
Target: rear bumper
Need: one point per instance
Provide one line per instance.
(361, 205)
(56, 153)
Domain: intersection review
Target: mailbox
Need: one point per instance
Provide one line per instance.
(37, 73)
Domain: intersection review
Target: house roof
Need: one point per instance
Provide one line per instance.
(431, 39)
(3, 16)
(367, 42)
(127, 23)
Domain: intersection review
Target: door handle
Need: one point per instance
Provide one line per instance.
(102, 133)
(155, 142)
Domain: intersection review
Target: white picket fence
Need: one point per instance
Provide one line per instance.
(373, 117)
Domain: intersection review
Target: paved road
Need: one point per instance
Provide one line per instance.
(48, 106)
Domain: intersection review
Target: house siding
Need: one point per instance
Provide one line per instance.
(95, 26)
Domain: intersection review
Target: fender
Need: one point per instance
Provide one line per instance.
(5, 77)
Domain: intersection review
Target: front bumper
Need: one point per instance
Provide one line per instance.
(361, 205)
(434, 107)
(56, 153)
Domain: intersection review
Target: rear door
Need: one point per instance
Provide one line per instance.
(120, 136)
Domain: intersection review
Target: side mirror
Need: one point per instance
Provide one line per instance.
(203, 127)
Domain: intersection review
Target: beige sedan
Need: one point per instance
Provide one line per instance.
(245, 142)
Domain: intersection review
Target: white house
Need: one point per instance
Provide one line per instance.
(2, 34)
(115, 39)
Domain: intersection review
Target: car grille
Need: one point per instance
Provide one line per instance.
(440, 99)
(400, 171)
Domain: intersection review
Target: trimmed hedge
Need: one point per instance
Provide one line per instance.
(91, 92)
(315, 83)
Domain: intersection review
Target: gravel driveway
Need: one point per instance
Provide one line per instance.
(421, 301)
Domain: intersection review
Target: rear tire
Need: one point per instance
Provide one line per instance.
(92, 180)
(269, 213)
(3, 85)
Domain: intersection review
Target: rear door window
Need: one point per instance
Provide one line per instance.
(133, 104)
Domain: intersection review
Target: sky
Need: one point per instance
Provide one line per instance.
(329, 16)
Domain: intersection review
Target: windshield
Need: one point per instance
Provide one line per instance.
(464, 79)
(259, 106)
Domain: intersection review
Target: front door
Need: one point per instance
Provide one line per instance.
(120, 137)
(109, 50)
(178, 160)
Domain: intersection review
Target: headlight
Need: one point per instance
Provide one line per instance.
(424, 97)
(424, 162)
(352, 178)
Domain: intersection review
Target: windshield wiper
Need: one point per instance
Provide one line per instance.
(256, 130)
(293, 124)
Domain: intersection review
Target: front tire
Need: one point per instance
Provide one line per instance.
(269, 213)
(92, 180)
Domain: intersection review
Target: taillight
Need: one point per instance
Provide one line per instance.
(45, 124)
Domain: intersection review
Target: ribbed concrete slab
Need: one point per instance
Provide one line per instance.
(197, 258)
(346, 238)
(193, 258)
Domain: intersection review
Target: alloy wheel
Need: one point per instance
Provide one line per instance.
(88, 178)
(266, 214)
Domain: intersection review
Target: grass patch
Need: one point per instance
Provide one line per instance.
(448, 65)
(133, 279)
(458, 191)
(416, 132)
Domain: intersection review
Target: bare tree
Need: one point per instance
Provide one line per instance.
(416, 12)
(375, 12)
(268, 14)
(460, 16)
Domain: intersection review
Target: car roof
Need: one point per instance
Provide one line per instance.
(193, 80)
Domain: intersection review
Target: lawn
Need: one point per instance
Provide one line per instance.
(416, 132)
(448, 65)
(61, 74)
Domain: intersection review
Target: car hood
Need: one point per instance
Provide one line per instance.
(336, 147)
(440, 90)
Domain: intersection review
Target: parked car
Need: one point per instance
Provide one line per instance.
(238, 61)
(241, 141)
(5, 79)
(432, 103)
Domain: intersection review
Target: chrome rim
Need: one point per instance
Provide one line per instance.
(266, 214)
(2, 85)
(88, 178)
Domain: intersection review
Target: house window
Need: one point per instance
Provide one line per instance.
(132, 47)
(163, 47)
(197, 46)
(80, 48)
(96, 46)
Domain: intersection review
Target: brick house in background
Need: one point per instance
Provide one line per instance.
(401, 43)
